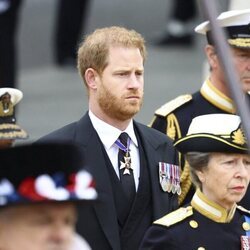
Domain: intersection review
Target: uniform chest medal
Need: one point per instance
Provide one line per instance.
(245, 239)
(245, 242)
(169, 176)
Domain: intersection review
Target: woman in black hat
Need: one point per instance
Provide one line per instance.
(216, 150)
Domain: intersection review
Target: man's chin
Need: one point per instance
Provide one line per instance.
(129, 114)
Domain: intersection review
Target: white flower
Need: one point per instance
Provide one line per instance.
(82, 188)
(45, 186)
(6, 188)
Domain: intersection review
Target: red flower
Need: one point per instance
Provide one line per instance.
(27, 190)
(72, 185)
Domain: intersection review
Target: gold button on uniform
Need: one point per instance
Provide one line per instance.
(246, 226)
(201, 248)
(193, 224)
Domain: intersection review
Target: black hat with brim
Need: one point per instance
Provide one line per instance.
(214, 133)
(48, 172)
(208, 143)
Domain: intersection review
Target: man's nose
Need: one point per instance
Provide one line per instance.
(134, 81)
(61, 234)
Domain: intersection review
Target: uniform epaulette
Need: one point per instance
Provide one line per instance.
(243, 209)
(173, 104)
(175, 217)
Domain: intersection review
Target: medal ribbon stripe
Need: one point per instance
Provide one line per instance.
(121, 146)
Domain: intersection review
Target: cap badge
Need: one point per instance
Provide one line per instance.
(6, 106)
(238, 136)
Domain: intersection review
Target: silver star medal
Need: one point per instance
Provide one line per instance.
(126, 165)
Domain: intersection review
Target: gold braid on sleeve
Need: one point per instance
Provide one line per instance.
(186, 183)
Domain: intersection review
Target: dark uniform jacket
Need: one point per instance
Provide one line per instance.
(174, 118)
(98, 223)
(203, 225)
(9, 22)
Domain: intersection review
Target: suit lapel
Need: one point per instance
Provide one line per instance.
(96, 164)
(154, 153)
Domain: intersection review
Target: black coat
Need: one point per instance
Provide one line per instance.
(208, 234)
(8, 36)
(98, 223)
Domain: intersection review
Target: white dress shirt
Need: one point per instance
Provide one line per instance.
(108, 135)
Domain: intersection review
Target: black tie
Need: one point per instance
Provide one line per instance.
(127, 180)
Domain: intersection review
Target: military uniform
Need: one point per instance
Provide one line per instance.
(174, 118)
(201, 226)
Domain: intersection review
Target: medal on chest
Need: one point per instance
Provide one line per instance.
(245, 239)
(169, 176)
(245, 242)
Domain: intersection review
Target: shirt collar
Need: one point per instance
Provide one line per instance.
(109, 134)
(216, 97)
(210, 209)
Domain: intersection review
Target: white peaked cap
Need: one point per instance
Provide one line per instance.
(227, 19)
(16, 94)
(217, 124)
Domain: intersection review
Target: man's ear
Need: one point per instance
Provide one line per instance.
(211, 56)
(91, 78)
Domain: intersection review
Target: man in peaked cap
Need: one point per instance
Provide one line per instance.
(39, 188)
(214, 96)
(9, 130)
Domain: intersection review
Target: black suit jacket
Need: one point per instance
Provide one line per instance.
(98, 223)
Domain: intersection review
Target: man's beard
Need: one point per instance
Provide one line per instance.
(119, 109)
